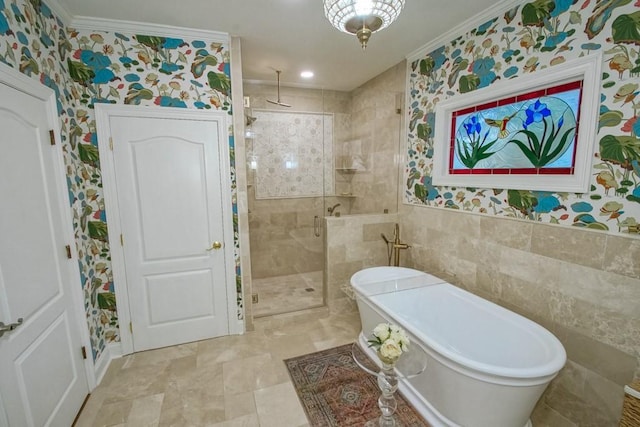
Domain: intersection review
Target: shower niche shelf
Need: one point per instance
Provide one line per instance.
(344, 176)
(347, 170)
(347, 173)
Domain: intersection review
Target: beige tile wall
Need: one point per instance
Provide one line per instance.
(282, 236)
(377, 124)
(589, 305)
(584, 286)
(282, 230)
(353, 243)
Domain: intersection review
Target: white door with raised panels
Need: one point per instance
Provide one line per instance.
(42, 373)
(177, 238)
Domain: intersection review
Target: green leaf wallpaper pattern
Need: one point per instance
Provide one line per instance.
(549, 32)
(85, 68)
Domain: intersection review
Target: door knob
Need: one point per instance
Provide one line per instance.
(215, 245)
(10, 327)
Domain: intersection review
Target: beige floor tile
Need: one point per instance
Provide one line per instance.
(191, 406)
(234, 381)
(278, 406)
(160, 356)
(239, 405)
(183, 366)
(91, 408)
(130, 387)
(145, 411)
(113, 371)
(205, 379)
(252, 373)
(250, 420)
(173, 408)
(285, 347)
(224, 349)
(283, 294)
(112, 414)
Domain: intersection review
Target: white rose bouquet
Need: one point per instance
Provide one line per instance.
(390, 341)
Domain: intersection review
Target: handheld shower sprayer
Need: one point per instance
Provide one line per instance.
(389, 247)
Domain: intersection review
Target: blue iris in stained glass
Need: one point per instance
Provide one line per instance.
(549, 129)
(536, 112)
(472, 147)
(472, 126)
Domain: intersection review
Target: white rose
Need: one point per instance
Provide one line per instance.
(400, 336)
(381, 331)
(395, 329)
(390, 349)
(404, 341)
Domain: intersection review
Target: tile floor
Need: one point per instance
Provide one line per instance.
(223, 382)
(285, 294)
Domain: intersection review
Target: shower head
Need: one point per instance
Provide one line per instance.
(278, 102)
(249, 120)
(282, 104)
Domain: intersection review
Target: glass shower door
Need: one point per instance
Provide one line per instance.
(287, 160)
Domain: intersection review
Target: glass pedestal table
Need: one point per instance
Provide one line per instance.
(410, 364)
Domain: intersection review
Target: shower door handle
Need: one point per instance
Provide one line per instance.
(316, 226)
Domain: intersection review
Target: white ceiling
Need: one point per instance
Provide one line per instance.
(294, 35)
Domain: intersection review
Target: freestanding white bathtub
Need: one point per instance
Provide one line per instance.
(486, 366)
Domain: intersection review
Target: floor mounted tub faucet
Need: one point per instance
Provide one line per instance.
(394, 248)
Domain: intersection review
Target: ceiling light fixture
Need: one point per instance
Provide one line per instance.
(362, 17)
(306, 74)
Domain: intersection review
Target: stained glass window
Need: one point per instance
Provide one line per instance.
(530, 133)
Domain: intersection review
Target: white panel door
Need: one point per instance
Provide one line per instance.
(42, 375)
(169, 190)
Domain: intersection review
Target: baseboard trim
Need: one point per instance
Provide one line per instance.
(111, 352)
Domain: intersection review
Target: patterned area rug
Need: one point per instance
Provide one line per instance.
(334, 391)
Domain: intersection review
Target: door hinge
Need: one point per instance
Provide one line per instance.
(110, 143)
(84, 352)
(68, 249)
(121, 240)
(52, 137)
(130, 327)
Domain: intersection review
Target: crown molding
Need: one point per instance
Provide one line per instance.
(463, 27)
(60, 11)
(148, 29)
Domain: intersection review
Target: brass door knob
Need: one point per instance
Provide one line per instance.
(215, 245)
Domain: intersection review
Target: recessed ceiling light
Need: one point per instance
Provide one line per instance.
(306, 74)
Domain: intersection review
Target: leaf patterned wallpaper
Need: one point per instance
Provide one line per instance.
(84, 68)
(530, 37)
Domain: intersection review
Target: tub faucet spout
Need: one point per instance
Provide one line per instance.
(331, 209)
